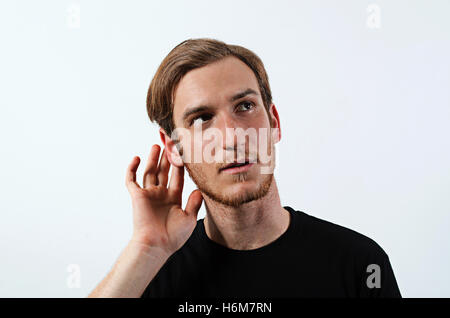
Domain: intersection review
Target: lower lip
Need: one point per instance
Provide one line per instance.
(238, 169)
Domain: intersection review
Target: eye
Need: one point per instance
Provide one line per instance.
(203, 117)
(249, 105)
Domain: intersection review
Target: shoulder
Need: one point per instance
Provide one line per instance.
(327, 235)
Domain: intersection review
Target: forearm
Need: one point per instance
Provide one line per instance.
(135, 268)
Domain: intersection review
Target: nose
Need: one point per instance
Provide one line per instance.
(226, 125)
(233, 146)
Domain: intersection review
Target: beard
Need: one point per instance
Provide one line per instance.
(203, 183)
(235, 201)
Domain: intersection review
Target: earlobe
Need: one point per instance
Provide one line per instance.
(171, 149)
(175, 158)
(276, 135)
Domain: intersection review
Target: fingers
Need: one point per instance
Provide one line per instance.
(130, 178)
(163, 169)
(194, 203)
(150, 177)
(176, 181)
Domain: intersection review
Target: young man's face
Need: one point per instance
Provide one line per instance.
(213, 87)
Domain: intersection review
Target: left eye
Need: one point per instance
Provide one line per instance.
(247, 104)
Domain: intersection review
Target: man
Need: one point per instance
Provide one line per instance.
(248, 244)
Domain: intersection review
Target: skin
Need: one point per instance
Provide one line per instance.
(230, 219)
(243, 210)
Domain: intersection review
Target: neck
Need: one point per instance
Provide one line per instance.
(249, 226)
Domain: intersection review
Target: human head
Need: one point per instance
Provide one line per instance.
(208, 70)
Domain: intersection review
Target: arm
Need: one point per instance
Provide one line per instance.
(135, 268)
(160, 226)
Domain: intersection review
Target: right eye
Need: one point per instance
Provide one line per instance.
(203, 117)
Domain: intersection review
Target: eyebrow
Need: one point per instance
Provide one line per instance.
(233, 98)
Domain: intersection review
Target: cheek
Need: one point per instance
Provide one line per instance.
(203, 172)
(190, 151)
(261, 119)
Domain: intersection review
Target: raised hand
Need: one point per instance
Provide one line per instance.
(158, 218)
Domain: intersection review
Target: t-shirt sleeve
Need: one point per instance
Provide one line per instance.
(377, 277)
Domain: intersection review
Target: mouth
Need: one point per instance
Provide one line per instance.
(236, 167)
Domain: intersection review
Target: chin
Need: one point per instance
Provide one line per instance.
(238, 193)
(239, 187)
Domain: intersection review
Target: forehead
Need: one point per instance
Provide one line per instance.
(213, 84)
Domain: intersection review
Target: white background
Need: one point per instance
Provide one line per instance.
(364, 117)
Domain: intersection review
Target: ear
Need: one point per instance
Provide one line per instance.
(275, 123)
(171, 149)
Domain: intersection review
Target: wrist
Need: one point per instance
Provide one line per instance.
(147, 250)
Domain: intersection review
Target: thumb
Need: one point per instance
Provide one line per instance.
(194, 203)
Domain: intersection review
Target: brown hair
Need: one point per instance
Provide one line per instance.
(186, 56)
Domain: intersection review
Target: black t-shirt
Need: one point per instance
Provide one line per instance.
(312, 258)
